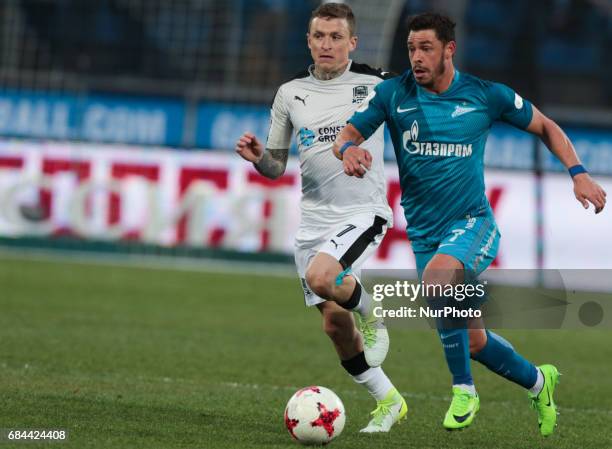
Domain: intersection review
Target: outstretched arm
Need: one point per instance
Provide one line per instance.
(271, 163)
(585, 188)
(355, 160)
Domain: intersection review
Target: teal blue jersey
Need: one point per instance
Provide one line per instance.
(439, 143)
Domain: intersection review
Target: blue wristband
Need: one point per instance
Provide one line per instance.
(576, 170)
(346, 145)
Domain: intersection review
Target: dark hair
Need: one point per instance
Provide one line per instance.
(335, 11)
(441, 24)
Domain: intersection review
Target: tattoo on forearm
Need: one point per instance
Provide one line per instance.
(273, 163)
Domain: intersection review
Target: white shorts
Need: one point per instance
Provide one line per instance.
(350, 243)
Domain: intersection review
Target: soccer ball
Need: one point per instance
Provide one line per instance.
(314, 415)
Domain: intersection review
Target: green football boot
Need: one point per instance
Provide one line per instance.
(462, 410)
(392, 409)
(544, 402)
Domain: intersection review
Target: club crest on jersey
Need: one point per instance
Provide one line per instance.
(359, 93)
(306, 137)
(461, 110)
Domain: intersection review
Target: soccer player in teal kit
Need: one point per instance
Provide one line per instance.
(439, 120)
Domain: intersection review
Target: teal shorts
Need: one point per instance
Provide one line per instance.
(473, 241)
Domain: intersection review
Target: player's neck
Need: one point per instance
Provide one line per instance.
(326, 75)
(444, 82)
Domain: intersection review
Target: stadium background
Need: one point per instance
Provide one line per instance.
(117, 125)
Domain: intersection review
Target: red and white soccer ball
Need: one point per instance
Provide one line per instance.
(314, 415)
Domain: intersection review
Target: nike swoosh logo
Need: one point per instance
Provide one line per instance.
(400, 110)
(462, 418)
(445, 244)
(548, 394)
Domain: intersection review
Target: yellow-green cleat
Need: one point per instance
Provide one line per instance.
(462, 410)
(544, 402)
(392, 409)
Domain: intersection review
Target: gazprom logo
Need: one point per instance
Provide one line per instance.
(306, 137)
(413, 146)
(411, 134)
(414, 130)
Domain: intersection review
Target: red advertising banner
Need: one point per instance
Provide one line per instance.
(217, 200)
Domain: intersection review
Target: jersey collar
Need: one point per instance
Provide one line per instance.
(448, 91)
(342, 75)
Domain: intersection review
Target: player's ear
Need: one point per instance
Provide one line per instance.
(308, 41)
(451, 48)
(353, 43)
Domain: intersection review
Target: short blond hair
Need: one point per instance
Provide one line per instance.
(335, 11)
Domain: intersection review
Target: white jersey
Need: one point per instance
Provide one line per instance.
(316, 111)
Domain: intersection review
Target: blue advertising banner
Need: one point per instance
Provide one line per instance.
(219, 125)
(99, 118)
(161, 122)
(594, 147)
(508, 147)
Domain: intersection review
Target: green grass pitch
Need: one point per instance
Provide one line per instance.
(128, 357)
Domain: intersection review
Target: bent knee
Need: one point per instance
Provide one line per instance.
(320, 282)
(442, 270)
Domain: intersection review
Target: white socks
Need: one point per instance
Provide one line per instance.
(376, 382)
(470, 388)
(365, 303)
(535, 390)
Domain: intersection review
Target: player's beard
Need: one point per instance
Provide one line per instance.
(437, 73)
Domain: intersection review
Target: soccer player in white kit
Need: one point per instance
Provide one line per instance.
(343, 220)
